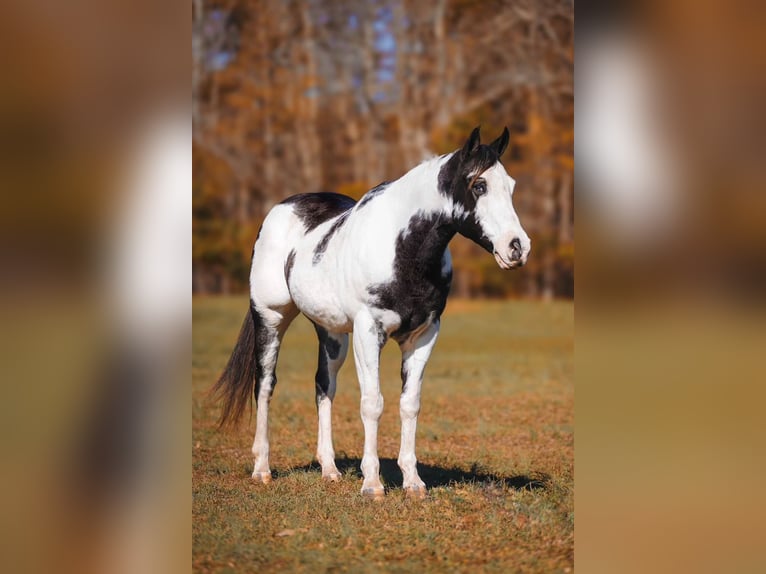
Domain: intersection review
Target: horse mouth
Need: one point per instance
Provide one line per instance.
(503, 264)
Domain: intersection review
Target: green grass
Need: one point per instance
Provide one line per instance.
(495, 446)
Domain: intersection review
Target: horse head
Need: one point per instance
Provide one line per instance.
(482, 199)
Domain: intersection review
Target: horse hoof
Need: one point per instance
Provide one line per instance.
(374, 493)
(331, 477)
(416, 492)
(262, 477)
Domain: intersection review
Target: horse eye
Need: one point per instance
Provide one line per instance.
(479, 188)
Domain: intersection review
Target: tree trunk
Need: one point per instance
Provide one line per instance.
(439, 95)
(372, 129)
(198, 53)
(462, 284)
(309, 138)
(565, 208)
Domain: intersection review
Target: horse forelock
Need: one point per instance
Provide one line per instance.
(458, 174)
(480, 161)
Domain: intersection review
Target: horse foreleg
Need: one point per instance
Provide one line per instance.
(368, 341)
(415, 354)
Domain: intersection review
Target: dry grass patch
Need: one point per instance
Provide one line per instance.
(495, 447)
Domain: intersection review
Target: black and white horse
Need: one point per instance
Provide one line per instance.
(379, 268)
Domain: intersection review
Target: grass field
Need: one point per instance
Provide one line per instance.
(495, 447)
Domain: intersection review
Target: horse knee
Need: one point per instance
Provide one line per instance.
(372, 407)
(409, 407)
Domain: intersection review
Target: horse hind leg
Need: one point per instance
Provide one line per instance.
(273, 311)
(270, 327)
(333, 349)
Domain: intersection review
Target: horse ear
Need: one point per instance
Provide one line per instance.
(501, 143)
(472, 143)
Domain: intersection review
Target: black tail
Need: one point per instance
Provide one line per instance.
(237, 382)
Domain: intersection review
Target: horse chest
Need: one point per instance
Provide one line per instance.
(417, 293)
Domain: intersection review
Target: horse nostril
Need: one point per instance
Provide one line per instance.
(515, 249)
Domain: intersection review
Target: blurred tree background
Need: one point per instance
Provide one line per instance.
(338, 95)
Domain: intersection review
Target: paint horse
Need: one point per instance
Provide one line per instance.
(379, 269)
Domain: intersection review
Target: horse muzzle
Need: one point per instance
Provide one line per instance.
(509, 263)
(515, 255)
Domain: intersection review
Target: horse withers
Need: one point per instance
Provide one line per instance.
(379, 268)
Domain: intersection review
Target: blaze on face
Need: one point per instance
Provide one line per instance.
(482, 193)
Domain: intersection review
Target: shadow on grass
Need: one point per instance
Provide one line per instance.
(432, 475)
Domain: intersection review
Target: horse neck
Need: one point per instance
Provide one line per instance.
(418, 190)
(426, 213)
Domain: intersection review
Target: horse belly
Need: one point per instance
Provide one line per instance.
(318, 296)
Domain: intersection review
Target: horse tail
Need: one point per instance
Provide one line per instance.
(236, 384)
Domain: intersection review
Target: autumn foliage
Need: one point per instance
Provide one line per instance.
(290, 97)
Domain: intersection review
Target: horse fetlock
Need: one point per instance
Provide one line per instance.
(260, 452)
(410, 474)
(261, 462)
(370, 467)
(325, 458)
(329, 471)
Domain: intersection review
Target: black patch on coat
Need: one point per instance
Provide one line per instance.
(468, 226)
(264, 338)
(404, 375)
(313, 209)
(289, 262)
(418, 291)
(328, 342)
(453, 182)
(373, 193)
(321, 247)
(329, 350)
(380, 332)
